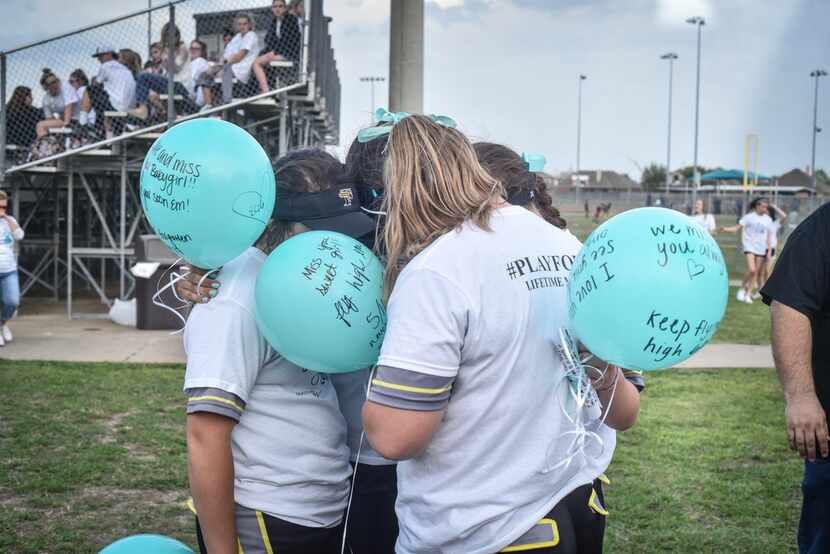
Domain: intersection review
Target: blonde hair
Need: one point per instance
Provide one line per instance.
(433, 184)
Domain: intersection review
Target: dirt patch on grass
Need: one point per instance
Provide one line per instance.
(114, 424)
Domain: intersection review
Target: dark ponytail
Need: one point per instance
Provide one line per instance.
(524, 188)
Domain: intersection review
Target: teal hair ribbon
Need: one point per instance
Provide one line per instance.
(535, 162)
(384, 116)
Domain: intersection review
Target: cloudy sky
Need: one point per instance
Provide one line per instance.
(507, 71)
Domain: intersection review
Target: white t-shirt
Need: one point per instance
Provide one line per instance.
(119, 84)
(485, 308)
(755, 230)
(91, 114)
(198, 66)
(289, 446)
(8, 260)
(249, 41)
(54, 105)
(707, 221)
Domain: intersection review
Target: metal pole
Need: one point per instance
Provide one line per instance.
(70, 221)
(123, 222)
(817, 73)
(150, 26)
(671, 57)
(3, 121)
(406, 56)
(171, 65)
(579, 123)
(699, 22)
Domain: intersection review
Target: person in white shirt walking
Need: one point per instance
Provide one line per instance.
(756, 241)
(10, 232)
(703, 217)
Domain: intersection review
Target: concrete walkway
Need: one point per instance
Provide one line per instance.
(47, 334)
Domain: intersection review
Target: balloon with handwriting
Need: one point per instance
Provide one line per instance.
(207, 188)
(143, 544)
(648, 289)
(319, 302)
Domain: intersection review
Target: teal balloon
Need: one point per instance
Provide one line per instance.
(146, 544)
(319, 302)
(648, 289)
(207, 188)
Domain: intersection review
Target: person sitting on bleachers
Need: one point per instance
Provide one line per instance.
(113, 89)
(297, 9)
(153, 64)
(131, 59)
(60, 104)
(199, 73)
(282, 43)
(181, 56)
(21, 118)
(80, 82)
(238, 57)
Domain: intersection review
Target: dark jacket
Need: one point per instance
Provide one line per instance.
(288, 43)
(20, 125)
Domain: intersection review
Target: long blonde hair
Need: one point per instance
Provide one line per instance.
(433, 184)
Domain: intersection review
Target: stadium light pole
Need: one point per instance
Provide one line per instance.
(579, 122)
(671, 56)
(815, 74)
(699, 22)
(372, 81)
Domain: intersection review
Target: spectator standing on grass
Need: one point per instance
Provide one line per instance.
(755, 228)
(282, 43)
(10, 231)
(704, 218)
(798, 292)
(21, 118)
(60, 104)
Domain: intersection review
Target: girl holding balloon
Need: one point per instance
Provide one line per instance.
(267, 451)
(476, 297)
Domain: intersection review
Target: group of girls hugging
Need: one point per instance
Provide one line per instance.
(464, 437)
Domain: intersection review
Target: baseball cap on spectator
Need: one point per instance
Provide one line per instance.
(105, 49)
(336, 209)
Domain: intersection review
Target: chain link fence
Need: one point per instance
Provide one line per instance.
(152, 66)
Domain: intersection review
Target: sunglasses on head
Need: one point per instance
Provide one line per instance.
(50, 83)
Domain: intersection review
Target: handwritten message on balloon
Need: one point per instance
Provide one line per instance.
(319, 302)
(648, 289)
(207, 188)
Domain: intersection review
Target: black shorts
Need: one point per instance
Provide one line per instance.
(574, 526)
(258, 532)
(373, 526)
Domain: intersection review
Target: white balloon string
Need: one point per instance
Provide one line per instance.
(354, 473)
(157, 301)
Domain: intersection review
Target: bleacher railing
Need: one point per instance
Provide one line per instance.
(30, 135)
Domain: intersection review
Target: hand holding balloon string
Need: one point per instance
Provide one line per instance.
(196, 285)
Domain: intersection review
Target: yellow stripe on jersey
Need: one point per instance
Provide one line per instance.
(215, 399)
(408, 388)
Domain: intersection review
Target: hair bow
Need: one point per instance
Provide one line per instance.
(384, 116)
(535, 162)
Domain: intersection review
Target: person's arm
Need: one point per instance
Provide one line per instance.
(398, 434)
(236, 58)
(210, 468)
(732, 229)
(792, 346)
(625, 406)
(67, 113)
(16, 230)
(782, 215)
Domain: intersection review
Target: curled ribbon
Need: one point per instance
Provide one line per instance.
(384, 116)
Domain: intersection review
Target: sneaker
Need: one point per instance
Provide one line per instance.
(748, 299)
(756, 296)
(741, 295)
(7, 334)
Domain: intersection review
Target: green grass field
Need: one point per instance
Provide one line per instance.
(743, 323)
(93, 452)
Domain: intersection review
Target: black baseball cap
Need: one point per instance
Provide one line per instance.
(336, 209)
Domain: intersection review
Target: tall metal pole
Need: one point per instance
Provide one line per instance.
(700, 22)
(406, 56)
(171, 66)
(815, 74)
(150, 26)
(3, 121)
(671, 56)
(372, 81)
(579, 123)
